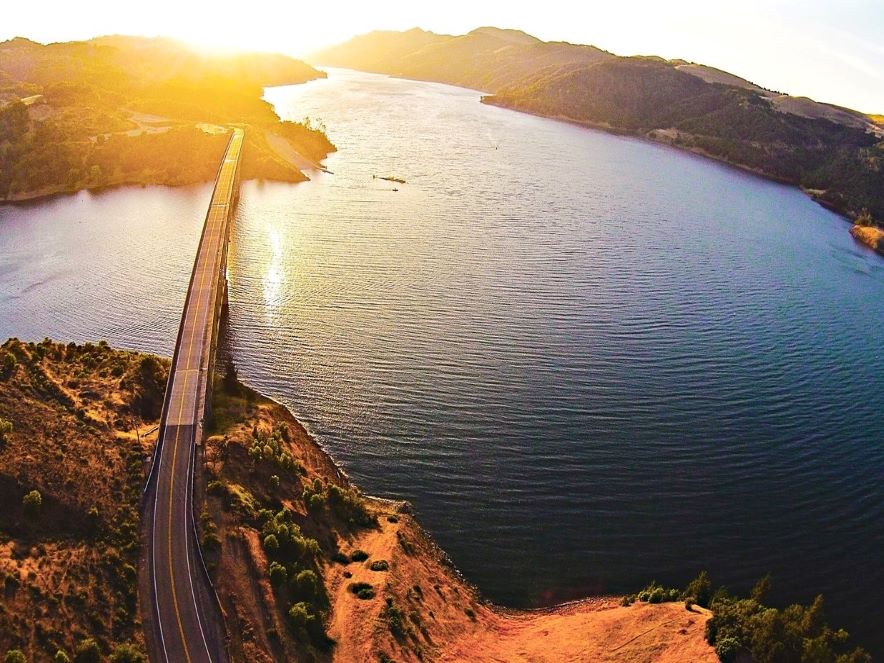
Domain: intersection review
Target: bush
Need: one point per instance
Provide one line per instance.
(15, 656)
(358, 556)
(271, 543)
(340, 558)
(128, 653)
(728, 649)
(5, 429)
(700, 588)
(380, 565)
(278, 574)
(395, 619)
(307, 586)
(87, 652)
(32, 502)
(362, 590)
(61, 656)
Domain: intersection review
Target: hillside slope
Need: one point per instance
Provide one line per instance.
(133, 110)
(75, 438)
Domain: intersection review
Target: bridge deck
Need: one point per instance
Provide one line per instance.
(185, 630)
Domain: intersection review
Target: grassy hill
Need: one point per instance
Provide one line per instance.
(131, 110)
(75, 437)
(835, 153)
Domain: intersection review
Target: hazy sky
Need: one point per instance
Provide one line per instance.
(831, 50)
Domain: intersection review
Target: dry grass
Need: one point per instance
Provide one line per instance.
(80, 417)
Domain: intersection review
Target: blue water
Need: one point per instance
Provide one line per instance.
(589, 361)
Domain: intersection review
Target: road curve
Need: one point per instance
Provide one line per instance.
(184, 625)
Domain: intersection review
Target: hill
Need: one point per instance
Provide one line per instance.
(836, 154)
(485, 59)
(75, 437)
(132, 110)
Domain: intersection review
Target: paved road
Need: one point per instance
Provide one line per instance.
(185, 624)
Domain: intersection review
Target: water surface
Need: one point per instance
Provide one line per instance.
(587, 360)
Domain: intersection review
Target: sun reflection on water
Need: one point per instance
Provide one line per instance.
(274, 275)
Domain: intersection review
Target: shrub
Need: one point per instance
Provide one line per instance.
(128, 653)
(15, 656)
(469, 612)
(395, 619)
(300, 616)
(87, 652)
(61, 656)
(362, 590)
(700, 588)
(728, 649)
(307, 586)
(340, 558)
(307, 626)
(274, 481)
(278, 574)
(7, 364)
(32, 502)
(864, 218)
(358, 556)
(349, 506)
(392, 519)
(380, 565)
(5, 429)
(271, 543)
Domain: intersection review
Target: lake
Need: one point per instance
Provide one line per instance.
(588, 361)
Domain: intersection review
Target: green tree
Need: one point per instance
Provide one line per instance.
(61, 656)
(32, 502)
(15, 656)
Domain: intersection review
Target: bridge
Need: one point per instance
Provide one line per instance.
(184, 623)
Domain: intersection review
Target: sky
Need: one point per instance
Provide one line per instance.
(829, 50)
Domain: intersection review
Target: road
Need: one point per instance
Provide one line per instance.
(185, 624)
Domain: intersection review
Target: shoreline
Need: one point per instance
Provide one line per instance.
(448, 617)
(653, 136)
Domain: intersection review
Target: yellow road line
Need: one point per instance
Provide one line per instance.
(189, 358)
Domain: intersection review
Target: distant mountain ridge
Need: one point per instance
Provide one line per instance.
(836, 154)
(485, 59)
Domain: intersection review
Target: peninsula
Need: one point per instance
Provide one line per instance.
(130, 110)
(306, 566)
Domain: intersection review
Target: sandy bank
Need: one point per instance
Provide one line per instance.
(870, 236)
